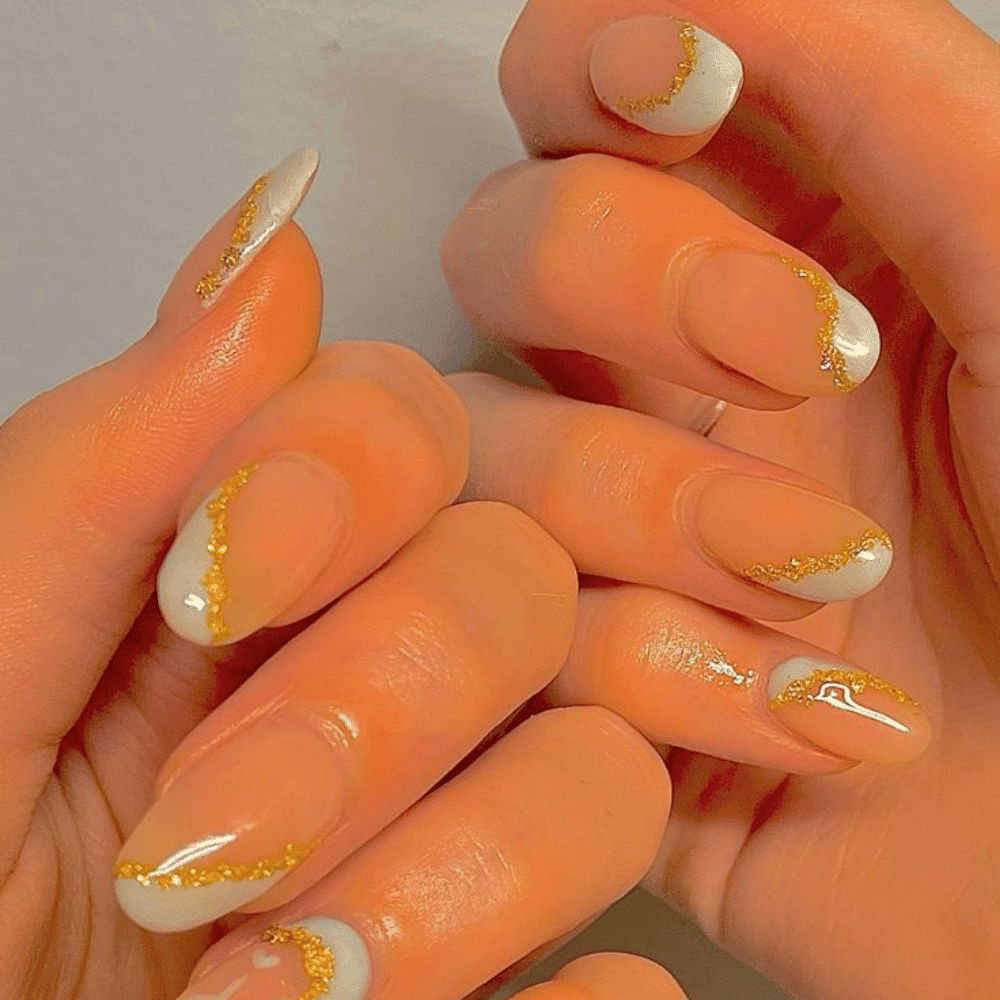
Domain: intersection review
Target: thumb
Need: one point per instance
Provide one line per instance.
(92, 472)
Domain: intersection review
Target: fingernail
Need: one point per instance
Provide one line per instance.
(252, 547)
(235, 240)
(778, 320)
(664, 74)
(315, 958)
(788, 538)
(231, 826)
(847, 711)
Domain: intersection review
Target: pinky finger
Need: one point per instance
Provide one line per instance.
(607, 976)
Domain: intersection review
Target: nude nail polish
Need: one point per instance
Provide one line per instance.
(847, 711)
(231, 826)
(226, 250)
(252, 547)
(665, 74)
(311, 958)
(789, 539)
(777, 319)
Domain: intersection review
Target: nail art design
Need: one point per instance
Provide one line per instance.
(253, 546)
(269, 204)
(847, 711)
(848, 336)
(854, 568)
(665, 74)
(315, 958)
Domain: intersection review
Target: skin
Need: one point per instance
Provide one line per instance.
(856, 179)
(134, 685)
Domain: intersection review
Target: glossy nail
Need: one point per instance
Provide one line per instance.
(664, 74)
(236, 239)
(777, 319)
(252, 547)
(231, 826)
(313, 958)
(847, 711)
(788, 538)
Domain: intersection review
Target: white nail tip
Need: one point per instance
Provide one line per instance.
(287, 184)
(180, 908)
(180, 588)
(856, 336)
(352, 966)
(864, 572)
(707, 96)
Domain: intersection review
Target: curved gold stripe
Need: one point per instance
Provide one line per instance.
(317, 959)
(628, 108)
(799, 567)
(802, 690)
(214, 580)
(211, 282)
(187, 876)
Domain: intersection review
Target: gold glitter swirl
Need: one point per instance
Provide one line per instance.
(801, 690)
(317, 959)
(647, 105)
(214, 580)
(799, 567)
(188, 876)
(831, 360)
(211, 282)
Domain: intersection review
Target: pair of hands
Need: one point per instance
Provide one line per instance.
(317, 734)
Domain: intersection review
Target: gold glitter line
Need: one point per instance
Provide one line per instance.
(317, 959)
(225, 871)
(629, 108)
(800, 691)
(799, 567)
(831, 360)
(231, 256)
(214, 580)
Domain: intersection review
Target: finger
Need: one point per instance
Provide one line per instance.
(608, 976)
(601, 256)
(489, 867)
(646, 75)
(633, 499)
(821, 69)
(92, 472)
(318, 487)
(354, 720)
(687, 675)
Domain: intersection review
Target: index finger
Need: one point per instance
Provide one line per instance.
(863, 87)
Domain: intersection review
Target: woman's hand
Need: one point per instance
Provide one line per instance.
(158, 779)
(866, 138)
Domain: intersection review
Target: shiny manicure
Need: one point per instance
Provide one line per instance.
(665, 75)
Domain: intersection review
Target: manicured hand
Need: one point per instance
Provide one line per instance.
(862, 155)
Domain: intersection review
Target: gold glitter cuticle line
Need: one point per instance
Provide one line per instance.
(799, 567)
(190, 876)
(231, 256)
(801, 690)
(317, 959)
(629, 108)
(214, 580)
(831, 360)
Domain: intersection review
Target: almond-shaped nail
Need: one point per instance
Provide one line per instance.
(790, 539)
(231, 826)
(312, 958)
(847, 711)
(665, 74)
(236, 239)
(253, 546)
(778, 319)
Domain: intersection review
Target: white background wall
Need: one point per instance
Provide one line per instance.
(128, 126)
